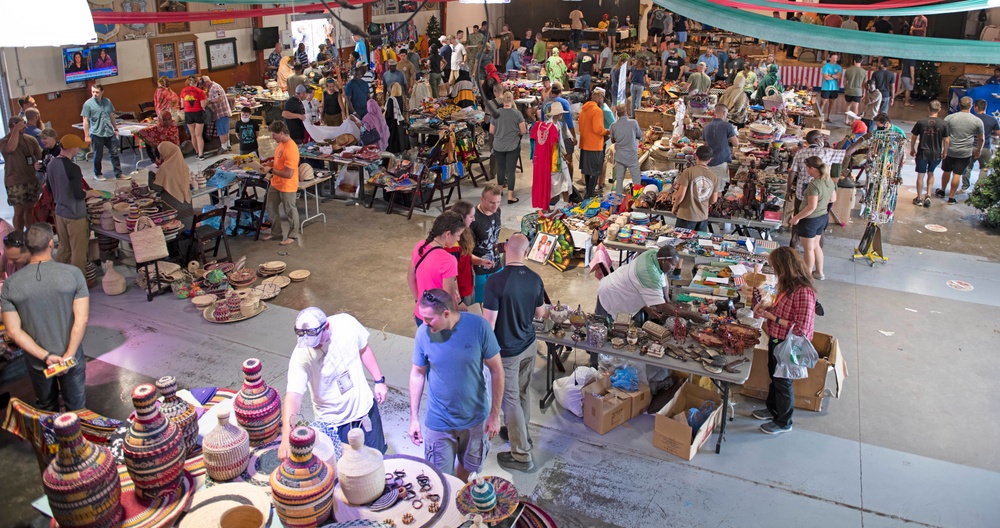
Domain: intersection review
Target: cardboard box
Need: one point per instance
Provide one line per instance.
(673, 434)
(638, 400)
(604, 408)
(809, 392)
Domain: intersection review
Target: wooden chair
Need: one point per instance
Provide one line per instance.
(147, 110)
(203, 235)
(455, 183)
(253, 199)
(416, 193)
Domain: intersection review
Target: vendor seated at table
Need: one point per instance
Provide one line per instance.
(173, 182)
(164, 130)
(463, 92)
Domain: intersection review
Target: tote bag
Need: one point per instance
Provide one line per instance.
(148, 241)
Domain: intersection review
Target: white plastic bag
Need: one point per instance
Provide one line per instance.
(347, 183)
(795, 355)
(568, 389)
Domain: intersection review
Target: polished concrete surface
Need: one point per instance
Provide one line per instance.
(910, 442)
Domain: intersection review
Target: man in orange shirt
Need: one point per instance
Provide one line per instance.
(592, 134)
(284, 189)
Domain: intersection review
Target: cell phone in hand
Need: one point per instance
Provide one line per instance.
(59, 368)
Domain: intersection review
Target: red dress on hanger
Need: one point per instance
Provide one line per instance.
(546, 136)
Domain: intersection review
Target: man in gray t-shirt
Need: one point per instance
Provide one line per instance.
(625, 135)
(965, 145)
(45, 309)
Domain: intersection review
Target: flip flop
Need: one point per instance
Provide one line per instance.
(287, 242)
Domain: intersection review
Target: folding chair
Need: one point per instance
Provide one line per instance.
(204, 235)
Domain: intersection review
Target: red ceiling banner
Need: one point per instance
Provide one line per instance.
(109, 17)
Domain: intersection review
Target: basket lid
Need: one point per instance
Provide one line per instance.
(359, 459)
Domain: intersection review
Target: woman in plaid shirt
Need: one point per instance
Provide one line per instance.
(795, 305)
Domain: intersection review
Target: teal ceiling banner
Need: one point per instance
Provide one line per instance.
(931, 9)
(835, 39)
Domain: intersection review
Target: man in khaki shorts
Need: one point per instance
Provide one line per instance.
(452, 353)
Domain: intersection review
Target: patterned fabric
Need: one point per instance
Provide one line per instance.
(799, 308)
(218, 102)
(165, 100)
(800, 177)
(331, 431)
(157, 134)
(34, 425)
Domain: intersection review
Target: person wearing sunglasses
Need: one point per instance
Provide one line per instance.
(327, 361)
(452, 353)
(13, 255)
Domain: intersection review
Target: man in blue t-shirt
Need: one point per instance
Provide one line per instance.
(830, 89)
(720, 135)
(515, 296)
(360, 47)
(450, 353)
(356, 93)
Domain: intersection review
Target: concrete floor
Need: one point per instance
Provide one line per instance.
(909, 442)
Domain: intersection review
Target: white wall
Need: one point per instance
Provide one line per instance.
(464, 16)
(43, 66)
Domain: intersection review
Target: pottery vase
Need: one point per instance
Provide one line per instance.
(302, 486)
(82, 482)
(179, 411)
(257, 406)
(226, 449)
(154, 448)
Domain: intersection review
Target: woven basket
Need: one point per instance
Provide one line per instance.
(361, 470)
(120, 224)
(148, 241)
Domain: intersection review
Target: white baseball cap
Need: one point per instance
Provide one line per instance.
(311, 318)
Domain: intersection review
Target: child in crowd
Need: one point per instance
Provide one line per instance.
(247, 131)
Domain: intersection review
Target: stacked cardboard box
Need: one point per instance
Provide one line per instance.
(671, 431)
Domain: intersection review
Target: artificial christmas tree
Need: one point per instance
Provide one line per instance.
(927, 85)
(985, 196)
(433, 30)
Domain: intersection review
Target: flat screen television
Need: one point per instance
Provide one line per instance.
(265, 38)
(82, 63)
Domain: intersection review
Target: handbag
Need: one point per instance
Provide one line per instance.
(148, 241)
(369, 137)
(208, 114)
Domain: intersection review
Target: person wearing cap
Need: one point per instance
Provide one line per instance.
(65, 180)
(555, 68)
(451, 354)
(297, 79)
(674, 66)
(545, 92)
(294, 114)
(584, 66)
(334, 105)
(20, 151)
(592, 134)
(327, 361)
(699, 82)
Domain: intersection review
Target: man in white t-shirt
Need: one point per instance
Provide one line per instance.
(327, 361)
(457, 58)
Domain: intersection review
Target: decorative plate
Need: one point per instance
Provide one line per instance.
(267, 291)
(358, 523)
(507, 500)
(158, 513)
(225, 267)
(386, 501)
(208, 504)
(534, 517)
(273, 265)
(413, 466)
(234, 317)
(280, 280)
(299, 275)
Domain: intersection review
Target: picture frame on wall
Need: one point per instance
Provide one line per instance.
(172, 6)
(221, 54)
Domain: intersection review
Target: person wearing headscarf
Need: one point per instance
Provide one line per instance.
(374, 120)
(463, 92)
(173, 181)
(771, 78)
(556, 69)
(396, 123)
(491, 83)
(736, 101)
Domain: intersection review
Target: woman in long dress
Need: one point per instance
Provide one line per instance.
(550, 172)
(398, 140)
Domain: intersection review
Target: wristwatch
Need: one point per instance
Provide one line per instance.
(380, 380)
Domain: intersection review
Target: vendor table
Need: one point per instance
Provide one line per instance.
(304, 187)
(743, 226)
(722, 380)
(124, 237)
(127, 129)
(628, 250)
(589, 35)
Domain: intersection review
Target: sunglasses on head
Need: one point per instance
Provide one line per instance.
(311, 332)
(16, 243)
(429, 297)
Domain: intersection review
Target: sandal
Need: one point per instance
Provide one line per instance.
(917, 201)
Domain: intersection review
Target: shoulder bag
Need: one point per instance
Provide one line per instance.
(421, 261)
(369, 137)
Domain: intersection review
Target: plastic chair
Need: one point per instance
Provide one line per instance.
(203, 234)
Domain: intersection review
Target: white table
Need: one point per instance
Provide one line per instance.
(304, 187)
(126, 129)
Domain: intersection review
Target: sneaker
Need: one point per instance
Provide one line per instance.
(124, 177)
(762, 414)
(772, 428)
(939, 193)
(99, 177)
(952, 201)
(818, 276)
(508, 462)
(201, 158)
(927, 201)
(505, 436)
